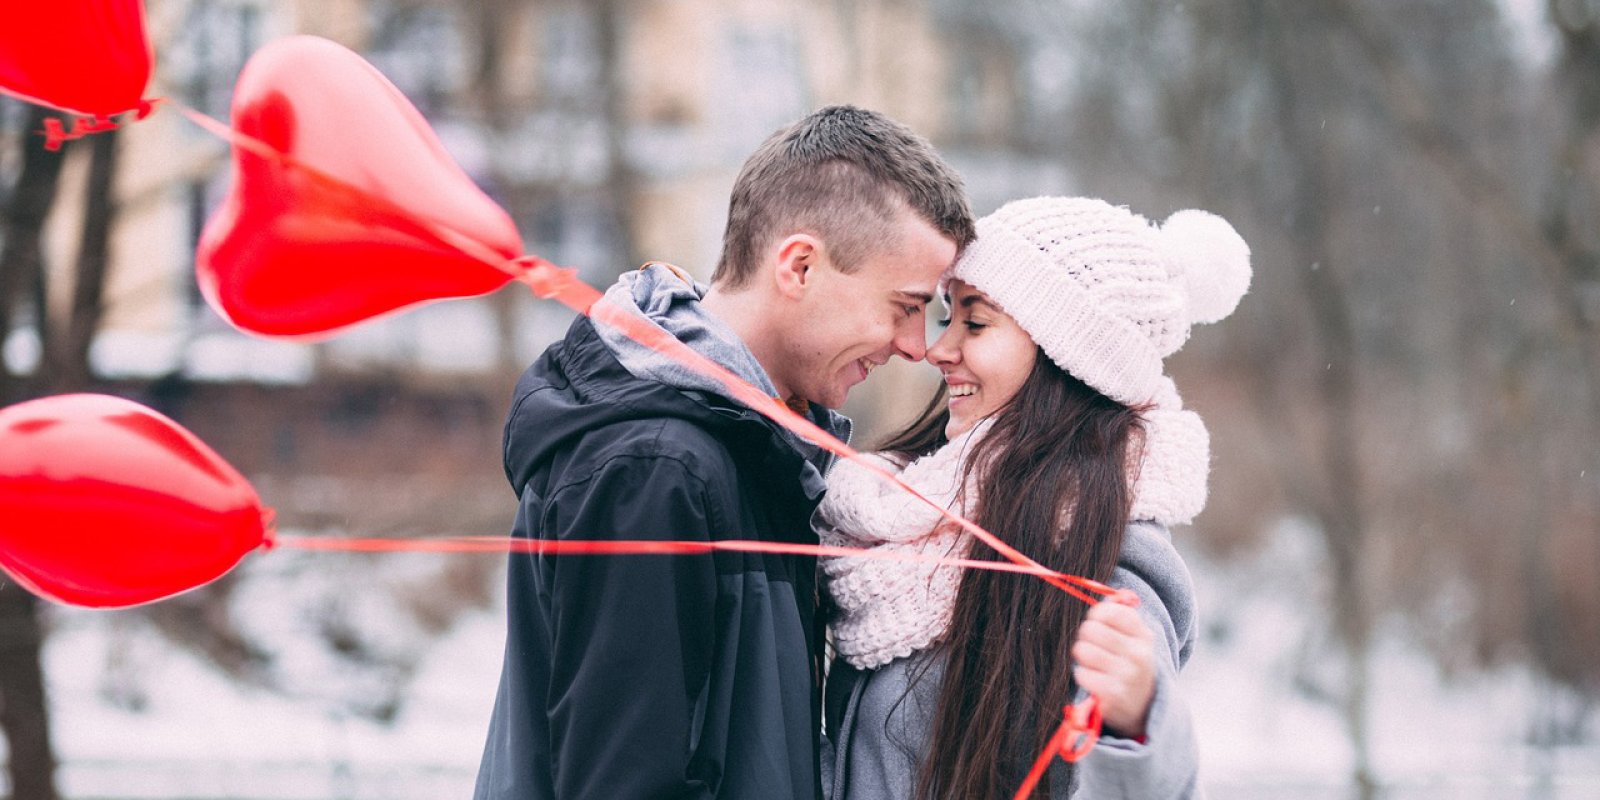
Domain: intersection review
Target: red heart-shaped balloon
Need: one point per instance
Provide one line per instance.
(362, 213)
(85, 56)
(106, 503)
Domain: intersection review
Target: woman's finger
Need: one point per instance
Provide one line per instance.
(1120, 618)
(1094, 656)
(1109, 637)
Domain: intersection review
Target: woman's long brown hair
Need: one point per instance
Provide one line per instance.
(1052, 480)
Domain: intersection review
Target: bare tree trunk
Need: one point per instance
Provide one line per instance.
(24, 714)
(1568, 219)
(22, 259)
(489, 29)
(67, 356)
(1341, 515)
(1556, 238)
(1340, 505)
(622, 180)
(489, 26)
(1419, 120)
(23, 711)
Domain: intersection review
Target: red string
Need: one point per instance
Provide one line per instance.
(1077, 735)
(550, 282)
(1047, 756)
(591, 547)
(1079, 730)
(1080, 724)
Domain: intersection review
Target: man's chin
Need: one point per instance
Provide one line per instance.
(833, 397)
(833, 403)
(831, 394)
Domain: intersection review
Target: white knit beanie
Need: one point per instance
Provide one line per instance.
(1107, 295)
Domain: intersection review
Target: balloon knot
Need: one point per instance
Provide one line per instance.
(545, 279)
(56, 134)
(145, 108)
(269, 529)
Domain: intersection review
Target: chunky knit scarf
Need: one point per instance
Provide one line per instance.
(891, 609)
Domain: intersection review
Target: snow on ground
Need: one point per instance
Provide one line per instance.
(1262, 736)
(201, 735)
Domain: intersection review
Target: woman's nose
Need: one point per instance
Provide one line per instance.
(944, 350)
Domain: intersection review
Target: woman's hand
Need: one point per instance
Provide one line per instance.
(1115, 655)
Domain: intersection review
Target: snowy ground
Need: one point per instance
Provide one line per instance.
(200, 735)
(1262, 736)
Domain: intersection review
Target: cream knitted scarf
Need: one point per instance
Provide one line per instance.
(891, 609)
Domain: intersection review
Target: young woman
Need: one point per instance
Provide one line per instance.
(1058, 431)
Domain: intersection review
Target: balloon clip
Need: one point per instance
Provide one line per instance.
(56, 134)
(269, 528)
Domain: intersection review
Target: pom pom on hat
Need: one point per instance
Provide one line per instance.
(1212, 260)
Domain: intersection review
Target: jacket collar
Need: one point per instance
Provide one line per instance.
(579, 384)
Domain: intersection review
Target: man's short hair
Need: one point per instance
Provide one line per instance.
(841, 174)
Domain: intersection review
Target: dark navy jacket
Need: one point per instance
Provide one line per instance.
(653, 676)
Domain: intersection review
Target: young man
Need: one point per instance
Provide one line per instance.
(698, 677)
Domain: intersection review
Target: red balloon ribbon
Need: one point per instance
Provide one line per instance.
(276, 296)
(226, 280)
(107, 503)
(318, 235)
(285, 135)
(663, 547)
(1080, 724)
(86, 57)
(1079, 731)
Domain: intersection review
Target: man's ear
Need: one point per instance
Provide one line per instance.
(796, 256)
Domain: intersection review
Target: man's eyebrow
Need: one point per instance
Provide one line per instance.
(922, 298)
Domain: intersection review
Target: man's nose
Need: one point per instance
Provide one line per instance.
(910, 341)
